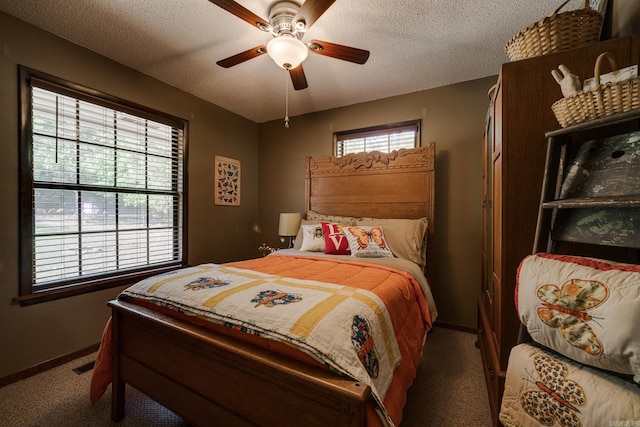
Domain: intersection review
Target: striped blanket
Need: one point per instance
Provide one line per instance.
(346, 328)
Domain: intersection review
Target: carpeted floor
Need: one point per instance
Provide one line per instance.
(449, 391)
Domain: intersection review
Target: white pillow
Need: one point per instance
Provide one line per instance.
(367, 242)
(297, 243)
(312, 238)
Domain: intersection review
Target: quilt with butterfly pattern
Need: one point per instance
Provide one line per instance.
(544, 388)
(345, 328)
(584, 308)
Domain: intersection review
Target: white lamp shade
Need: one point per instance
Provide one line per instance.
(289, 223)
(287, 51)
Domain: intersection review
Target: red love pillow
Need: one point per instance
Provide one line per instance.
(335, 241)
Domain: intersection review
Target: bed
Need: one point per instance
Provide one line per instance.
(215, 374)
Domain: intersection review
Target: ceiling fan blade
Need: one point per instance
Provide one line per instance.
(298, 78)
(242, 56)
(243, 13)
(338, 51)
(310, 11)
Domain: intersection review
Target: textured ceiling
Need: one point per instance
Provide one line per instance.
(414, 45)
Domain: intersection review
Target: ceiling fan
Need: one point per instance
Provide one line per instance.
(288, 23)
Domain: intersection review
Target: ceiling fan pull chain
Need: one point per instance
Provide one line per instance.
(286, 100)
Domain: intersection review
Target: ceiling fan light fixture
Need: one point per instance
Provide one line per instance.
(300, 26)
(287, 51)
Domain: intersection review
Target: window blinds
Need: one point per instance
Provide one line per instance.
(107, 189)
(384, 139)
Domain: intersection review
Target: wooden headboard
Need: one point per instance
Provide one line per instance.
(395, 185)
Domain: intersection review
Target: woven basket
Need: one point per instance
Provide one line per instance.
(601, 101)
(556, 32)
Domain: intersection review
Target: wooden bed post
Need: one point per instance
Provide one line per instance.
(117, 385)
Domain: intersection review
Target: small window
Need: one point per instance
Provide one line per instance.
(385, 138)
(102, 190)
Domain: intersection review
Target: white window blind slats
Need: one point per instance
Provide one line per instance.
(72, 255)
(95, 164)
(95, 124)
(159, 138)
(54, 115)
(53, 160)
(382, 138)
(107, 190)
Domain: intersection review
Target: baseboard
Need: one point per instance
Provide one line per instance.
(49, 364)
(447, 325)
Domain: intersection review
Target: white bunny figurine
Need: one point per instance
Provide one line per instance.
(569, 83)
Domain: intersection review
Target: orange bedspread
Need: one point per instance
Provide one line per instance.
(401, 293)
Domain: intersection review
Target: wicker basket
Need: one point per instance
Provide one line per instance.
(601, 101)
(556, 32)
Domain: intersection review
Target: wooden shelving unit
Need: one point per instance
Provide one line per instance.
(590, 192)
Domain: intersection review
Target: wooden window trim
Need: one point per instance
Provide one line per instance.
(413, 125)
(27, 295)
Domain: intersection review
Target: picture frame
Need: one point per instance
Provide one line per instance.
(227, 181)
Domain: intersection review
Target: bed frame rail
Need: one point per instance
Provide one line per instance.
(221, 381)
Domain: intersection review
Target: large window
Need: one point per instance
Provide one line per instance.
(385, 138)
(102, 190)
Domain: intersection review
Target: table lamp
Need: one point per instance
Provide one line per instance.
(289, 226)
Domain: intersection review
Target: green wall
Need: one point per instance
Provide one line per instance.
(34, 334)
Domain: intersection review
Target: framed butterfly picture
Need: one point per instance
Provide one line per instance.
(227, 181)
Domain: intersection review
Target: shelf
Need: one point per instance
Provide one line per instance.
(626, 201)
(590, 197)
(591, 124)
